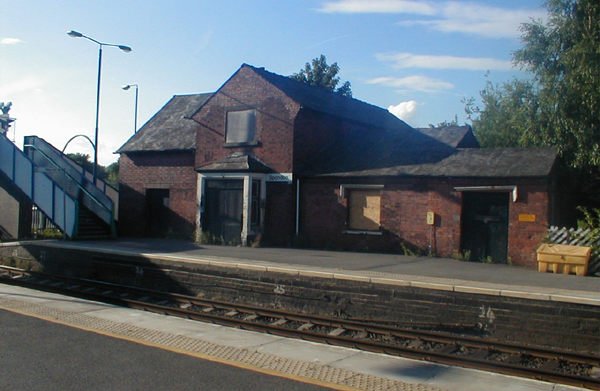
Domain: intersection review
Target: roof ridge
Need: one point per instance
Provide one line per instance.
(327, 101)
(310, 86)
(194, 94)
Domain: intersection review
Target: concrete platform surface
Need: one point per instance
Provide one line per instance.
(425, 272)
(334, 367)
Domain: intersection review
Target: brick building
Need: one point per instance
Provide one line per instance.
(266, 159)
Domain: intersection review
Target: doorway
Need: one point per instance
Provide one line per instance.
(157, 212)
(485, 226)
(224, 210)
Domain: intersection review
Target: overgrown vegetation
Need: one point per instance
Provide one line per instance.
(48, 233)
(591, 220)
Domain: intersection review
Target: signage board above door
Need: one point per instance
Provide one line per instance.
(280, 177)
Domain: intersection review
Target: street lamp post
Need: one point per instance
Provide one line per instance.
(126, 87)
(124, 48)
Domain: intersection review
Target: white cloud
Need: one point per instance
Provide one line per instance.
(10, 41)
(413, 83)
(404, 110)
(446, 16)
(484, 20)
(410, 60)
(378, 6)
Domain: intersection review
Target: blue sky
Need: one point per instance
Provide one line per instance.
(418, 58)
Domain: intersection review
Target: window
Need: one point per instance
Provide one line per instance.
(241, 127)
(364, 207)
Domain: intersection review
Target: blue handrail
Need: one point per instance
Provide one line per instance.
(47, 195)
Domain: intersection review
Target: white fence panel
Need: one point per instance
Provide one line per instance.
(579, 237)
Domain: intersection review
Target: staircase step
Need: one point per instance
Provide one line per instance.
(91, 227)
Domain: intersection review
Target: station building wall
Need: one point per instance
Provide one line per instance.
(173, 171)
(274, 122)
(404, 207)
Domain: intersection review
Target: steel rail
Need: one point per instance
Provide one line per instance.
(444, 348)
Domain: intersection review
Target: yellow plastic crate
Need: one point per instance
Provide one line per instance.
(561, 258)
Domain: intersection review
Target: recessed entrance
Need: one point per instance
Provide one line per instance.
(485, 226)
(224, 210)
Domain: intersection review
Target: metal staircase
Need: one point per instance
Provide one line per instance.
(60, 188)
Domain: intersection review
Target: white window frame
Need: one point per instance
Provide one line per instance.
(247, 178)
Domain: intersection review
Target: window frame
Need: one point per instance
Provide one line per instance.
(254, 140)
(345, 191)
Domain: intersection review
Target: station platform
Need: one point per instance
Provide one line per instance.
(444, 274)
(323, 365)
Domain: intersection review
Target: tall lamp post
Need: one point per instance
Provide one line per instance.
(124, 48)
(126, 87)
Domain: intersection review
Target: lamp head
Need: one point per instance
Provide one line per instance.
(124, 48)
(74, 34)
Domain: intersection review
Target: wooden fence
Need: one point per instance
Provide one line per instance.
(579, 237)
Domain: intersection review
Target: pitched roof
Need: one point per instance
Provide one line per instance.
(404, 144)
(470, 162)
(325, 101)
(236, 162)
(454, 136)
(170, 129)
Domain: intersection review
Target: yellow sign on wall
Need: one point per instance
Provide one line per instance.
(526, 218)
(430, 218)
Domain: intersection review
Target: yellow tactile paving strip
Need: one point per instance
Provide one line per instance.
(270, 364)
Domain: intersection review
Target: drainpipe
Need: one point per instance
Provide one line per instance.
(297, 207)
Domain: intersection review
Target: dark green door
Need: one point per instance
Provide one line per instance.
(223, 210)
(485, 226)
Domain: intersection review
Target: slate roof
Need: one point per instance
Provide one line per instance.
(236, 162)
(466, 163)
(454, 136)
(170, 129)
(325, 101)
(389, 148)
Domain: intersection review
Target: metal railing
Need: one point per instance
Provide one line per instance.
(76, 187)
(103, 192)
(44, 192)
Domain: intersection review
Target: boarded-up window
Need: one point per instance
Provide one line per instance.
(364, 208)
(241, 127)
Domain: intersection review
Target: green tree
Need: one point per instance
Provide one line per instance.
(509, 117)
(559, 106)
(112, 174)
(319, 73)
(83, 160)
(564, 57)
(446, 123)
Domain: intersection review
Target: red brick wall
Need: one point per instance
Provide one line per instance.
(164, 170)
(275, 121)
(525, 237)
(315, 132)
(404, 206)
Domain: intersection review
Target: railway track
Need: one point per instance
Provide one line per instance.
(441, 347)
